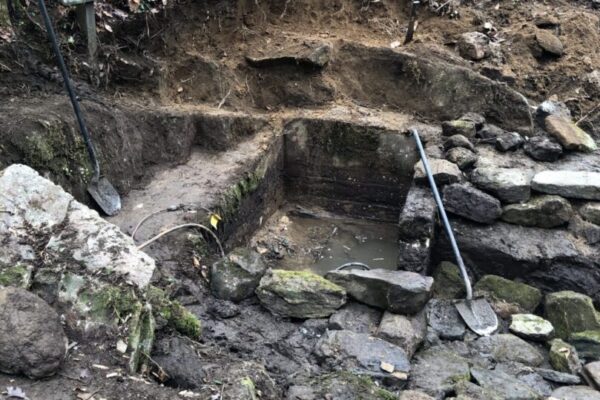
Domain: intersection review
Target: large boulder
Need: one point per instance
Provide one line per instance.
(236, 276)
(469, 202)
(498, 289)
(541, 148)
(32, 340)
(399, 292)
(511, 185)
(542, 211)
(571, 184)
(569, 135)
(299, 294)
(349, 350)
(571, 312)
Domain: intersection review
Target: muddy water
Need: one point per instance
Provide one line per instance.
(297, 239)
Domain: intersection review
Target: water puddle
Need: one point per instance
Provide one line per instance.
(296, 238)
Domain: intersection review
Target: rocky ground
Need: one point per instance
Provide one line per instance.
(223, 113)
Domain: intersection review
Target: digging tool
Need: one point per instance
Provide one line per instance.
(412, 21)
(477, 313)
(101, 190)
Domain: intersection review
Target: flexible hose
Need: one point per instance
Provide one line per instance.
(155, 238)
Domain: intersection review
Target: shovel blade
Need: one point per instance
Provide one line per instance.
(105, 195)
(478, 315)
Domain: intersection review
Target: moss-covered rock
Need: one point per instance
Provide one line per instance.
(173, 313)
(563, 357)
(502, 290)
(447, 282)
(17, 276)
(571, 312)
(349, 386)
(142, 326)
(587, 344)
(236, 276)
(459, 127)
(543, 211)
(532, 327)
(299, 294)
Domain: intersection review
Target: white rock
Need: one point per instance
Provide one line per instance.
(571, 184)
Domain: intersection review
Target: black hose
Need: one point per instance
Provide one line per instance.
(65, 74)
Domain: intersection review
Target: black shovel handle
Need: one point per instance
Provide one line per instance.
(65, 74)
(446, 222)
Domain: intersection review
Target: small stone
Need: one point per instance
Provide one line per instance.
(545, 21)
(459, 127)
(499, 289)
(462, 157)
(531, 327)
(470, 391)
(121, 346)
(569, 135)
(591, 212)
(552, 107)
(400, 292)
(549, 43)
(458, 141)
(180, 362)
(387, 367)
(443, 171)
(563, 357)
(592, 370)
(570, 312)
(471, 203)
(558, 377)
(510, 141)
(585, 230)
(575, 393)
(490, 131)
(414, 395)
(477, 119)
(436, 371)
(542, 212)
(404, 331)
(541, 148)
(444, 320)
(570, 184)
(355, 317)
(474, 46)
(509, 348)
(299, 294)
(32, 340)
(447, 282)
(236, 277)
(510, 185)
(587, 344)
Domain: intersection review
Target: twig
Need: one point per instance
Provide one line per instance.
(224, 99)
(593, 110)
(92, 394)
(181, 227)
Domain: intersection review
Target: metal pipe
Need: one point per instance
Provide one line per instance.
(446, 222)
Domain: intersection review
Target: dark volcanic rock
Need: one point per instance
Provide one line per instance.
(471, 203)
(500, 382)
(400, 292)
(416, 229)
(541, 148)
(180, 361)
(436, 371)
(32, 340)
(458, 141)
(509, 141)
(355, 317)
(490, 131)
(237, 275)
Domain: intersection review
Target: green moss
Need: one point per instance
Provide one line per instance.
(571, 312)
(177, 316)
(361, 386)
(248, 384)
(501, 289)
(18, 276)
(111, 300)
(288, 281)
(587, 344)
(563, 357)
(447, 282)
(142, 328)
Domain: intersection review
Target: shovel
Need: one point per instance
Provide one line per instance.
(101, 190)
(477, 313)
